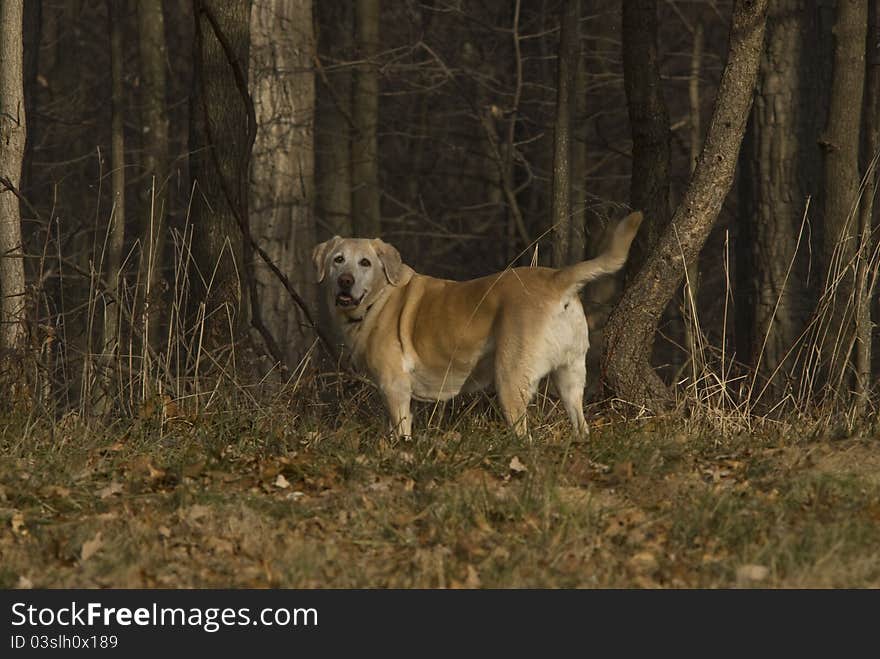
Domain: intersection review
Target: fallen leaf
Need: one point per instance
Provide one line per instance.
(644, 561)
(17, 522)
(282, 482)
(516, 465)
(24, 583)
(295, 495)
(195, 512)
(194, 469)
(164, 531)
(624, 470)
(90, 547)
(59, 491)
(220, 545)
(110, 490)
(473, 577)
(751, 573)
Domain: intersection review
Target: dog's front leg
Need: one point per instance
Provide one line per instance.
(397, 399)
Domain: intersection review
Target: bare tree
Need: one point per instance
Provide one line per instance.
(578, 234)
(13, 133)
(633, 324)
(780, 170)
(221, 139)
(154, 123)
(567, 67)
(365, 111)
(867, 265)
(116, 230)
(333, 118)
(691, 287)
(282, 164)
(841, 146)
(649, 123)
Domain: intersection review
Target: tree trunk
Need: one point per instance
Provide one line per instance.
(117, 180)
(365, 111)
(13, 133)
(779, 163)
(567, 66)
(333, 119)
(154, 129)
(631, 328)
(221, 142)
(841, 144)
(867, 265)
(649, 124)
(690, 290)
(577, 247)
(282, 165)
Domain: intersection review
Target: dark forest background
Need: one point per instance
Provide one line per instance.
(179, 159)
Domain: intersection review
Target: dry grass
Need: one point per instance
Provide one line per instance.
(127, 465)
(288, 494)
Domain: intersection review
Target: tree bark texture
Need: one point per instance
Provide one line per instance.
(154, 131)
(365, 110)
(867, 267)
(779, 170)
(841, 141)
(333, 130)
(577, 247)
(221, 143)
(13, 133)
(567, 66)
(116, 231)
(691, 288)
(633, 324)
(649, 125)
(283, 165)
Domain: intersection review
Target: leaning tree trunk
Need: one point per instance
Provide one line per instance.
(333, 118)
(633, 324)
(841, 144)
(154, 130)
(221, 141)
(365, 110)
(779, 161)
(649, 124)
(567, 66)
(282, 166)
(13, 131)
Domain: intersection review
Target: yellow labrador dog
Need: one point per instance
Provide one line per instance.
(430, 339)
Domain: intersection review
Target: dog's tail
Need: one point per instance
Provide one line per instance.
(609, 261)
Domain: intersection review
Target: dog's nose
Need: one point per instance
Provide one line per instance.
(345, 281)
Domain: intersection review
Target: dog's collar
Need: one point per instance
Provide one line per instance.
(352, 321)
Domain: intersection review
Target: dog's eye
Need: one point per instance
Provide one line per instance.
(339, 258)
(366, 263)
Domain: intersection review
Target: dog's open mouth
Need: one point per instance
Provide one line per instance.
(347, 301)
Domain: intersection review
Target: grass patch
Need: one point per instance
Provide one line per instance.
(282, 499)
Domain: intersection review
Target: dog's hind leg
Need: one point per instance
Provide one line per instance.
(569, 381)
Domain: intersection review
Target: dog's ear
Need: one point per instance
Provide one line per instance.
(319, 256)
(390, 258)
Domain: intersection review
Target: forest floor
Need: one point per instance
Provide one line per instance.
(266, 497)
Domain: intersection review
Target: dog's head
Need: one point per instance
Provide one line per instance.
(355, 270)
